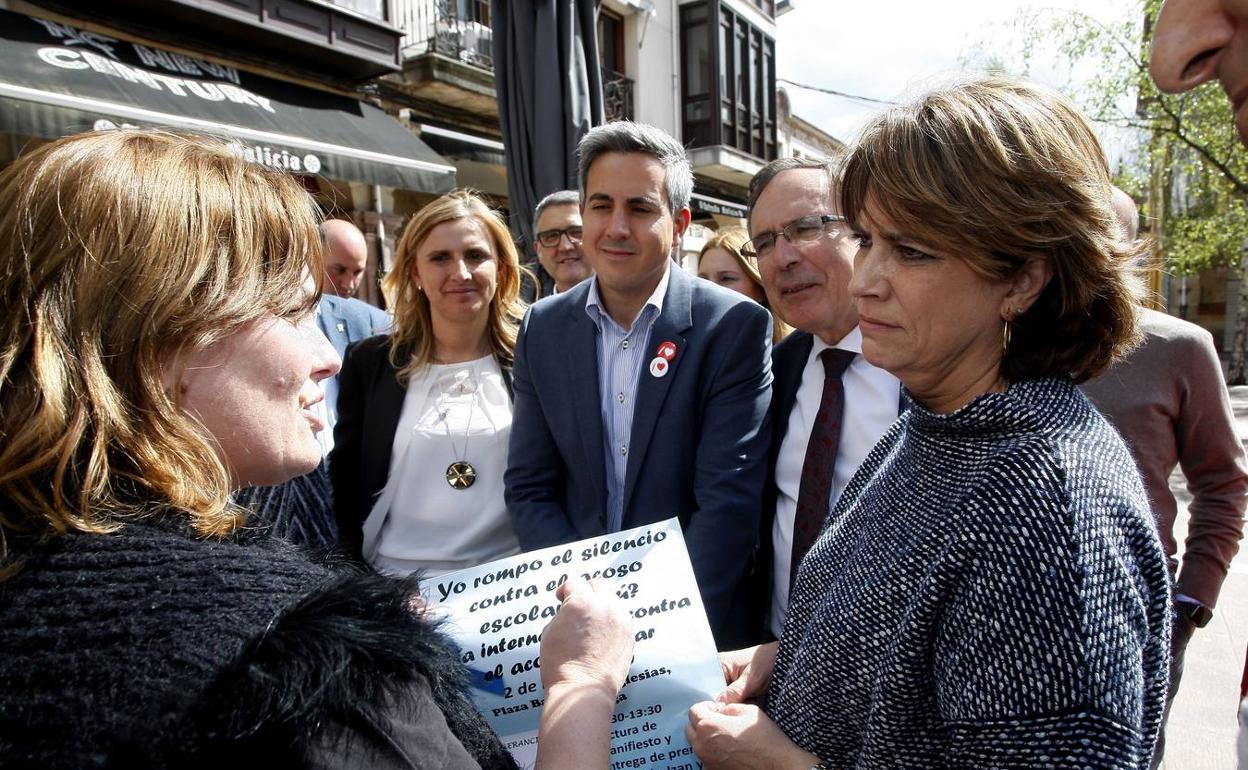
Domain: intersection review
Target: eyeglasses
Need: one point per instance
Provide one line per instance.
(550, 238)
(807, 229)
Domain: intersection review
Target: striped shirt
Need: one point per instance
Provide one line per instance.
(621, 355)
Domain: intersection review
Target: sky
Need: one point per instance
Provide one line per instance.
(887, 48)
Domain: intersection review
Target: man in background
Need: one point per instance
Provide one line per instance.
(342, 318)
(1169, 401)
(558, 233)
(346, 256)
(829, 405)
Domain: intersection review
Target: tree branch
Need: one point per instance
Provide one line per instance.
(1175, 129)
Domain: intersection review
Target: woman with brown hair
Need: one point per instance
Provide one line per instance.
(159, 353)
(424, 413)
(722, 262)
(989, 590)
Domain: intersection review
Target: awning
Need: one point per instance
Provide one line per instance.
(461, 146)
(57, 80)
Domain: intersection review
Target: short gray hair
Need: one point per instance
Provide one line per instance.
(781, 165)
(627, 136)
(557, 198)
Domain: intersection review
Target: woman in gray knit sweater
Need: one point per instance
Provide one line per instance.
(989, 591)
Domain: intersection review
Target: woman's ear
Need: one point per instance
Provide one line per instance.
(1026, 286)
(170, 379)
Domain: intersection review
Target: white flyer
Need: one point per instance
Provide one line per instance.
(496, 613)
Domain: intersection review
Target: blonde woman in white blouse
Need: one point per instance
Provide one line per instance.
(424, 413)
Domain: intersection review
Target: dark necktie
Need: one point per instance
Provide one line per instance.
(815, 491)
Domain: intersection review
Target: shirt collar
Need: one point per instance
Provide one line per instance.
(851, 342)
(593, 301)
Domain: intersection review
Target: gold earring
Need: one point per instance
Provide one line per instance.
(1005, 332)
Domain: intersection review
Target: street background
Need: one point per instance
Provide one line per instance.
(1202, 730)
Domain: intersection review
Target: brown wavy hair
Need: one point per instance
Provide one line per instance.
(731, 239)
(411, 342)
(1000, 171)
(122, 253)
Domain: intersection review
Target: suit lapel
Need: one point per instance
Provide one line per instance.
(333, 326)
(387, 404)
(788, 362)
(673, 322)
(582, 362)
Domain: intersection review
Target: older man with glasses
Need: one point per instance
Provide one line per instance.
(829, 406)
(557, 224)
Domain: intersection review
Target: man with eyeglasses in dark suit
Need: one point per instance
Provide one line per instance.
(557, 239)
(829, 405)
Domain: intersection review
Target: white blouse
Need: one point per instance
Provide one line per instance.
(451, 413)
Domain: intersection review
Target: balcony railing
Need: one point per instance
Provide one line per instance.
(617, 95)
(437, 26)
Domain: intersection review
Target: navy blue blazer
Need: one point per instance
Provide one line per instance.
(699, 436)
(345, 320)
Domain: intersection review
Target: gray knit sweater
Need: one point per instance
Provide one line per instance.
(988, 593)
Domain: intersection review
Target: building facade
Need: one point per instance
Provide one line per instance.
(703, 70)
(279, 79)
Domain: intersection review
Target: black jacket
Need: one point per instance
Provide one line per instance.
(788, 359)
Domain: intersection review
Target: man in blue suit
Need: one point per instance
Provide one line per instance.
(343, 319)
(347, 320)
(642, 393)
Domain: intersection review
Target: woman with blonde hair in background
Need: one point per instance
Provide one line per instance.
(424, 413)
(722, 262)
(160, 353)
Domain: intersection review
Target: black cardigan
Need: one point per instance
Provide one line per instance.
(152, 648)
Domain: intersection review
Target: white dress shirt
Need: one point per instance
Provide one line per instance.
(872, 396)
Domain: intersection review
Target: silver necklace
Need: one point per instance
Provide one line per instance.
(460, 474)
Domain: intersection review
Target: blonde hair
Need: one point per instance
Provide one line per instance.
(1001, 171)
(731, 240)
(411, 342)
(122, 253)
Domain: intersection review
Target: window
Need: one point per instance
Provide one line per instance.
(768, 7)
(617, 89)
(729, 86)
(611, 41)
(696, 68)
(473, 10)
(375, 9)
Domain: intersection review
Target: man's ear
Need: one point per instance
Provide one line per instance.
(1026, 286)
(680, 223)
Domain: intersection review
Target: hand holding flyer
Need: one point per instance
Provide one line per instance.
(496, 613)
